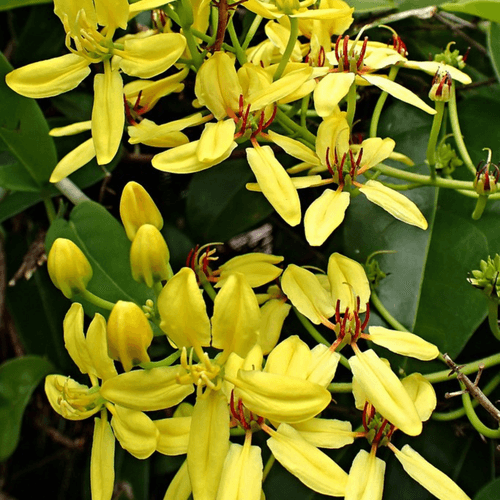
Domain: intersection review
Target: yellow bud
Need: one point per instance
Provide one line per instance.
(138, 208)
(69, 269)
(149, 256)
(129, 334)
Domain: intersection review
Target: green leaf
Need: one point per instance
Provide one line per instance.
(487, 9)
(426, 289)
(27, 152)
(133, 472)
(493, 40)
(281, 484)
(12, 4)
(218, 204)
(102, 239)
(18, 379)
(490, 492)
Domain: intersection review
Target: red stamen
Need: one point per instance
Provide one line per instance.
(231, 406)
(337, 54)
(380, 432)
(353, 164)
(345, 53)
(367, 317)
(240, 104)
(337, 311)
(466, 55)
(362, 53)
(365, 411)
(273, 116)
(321, 56)
(189, 258)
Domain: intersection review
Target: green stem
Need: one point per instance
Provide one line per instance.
(97, 301)
(268, 467)
(303, 110)
(207, 286)
(386, 314)
(493, 318)
(196, 57)
(71, 191)
(294, 33)
(240, 53)
(433, 137)
(251, 32)
(169, 360)
(474, 419)
(338, 387)
(457, 133)
(467, 369)
(424, 180)
(380, 104)
(303, 132)
(351, 104)
(480, 206)
(49, 208)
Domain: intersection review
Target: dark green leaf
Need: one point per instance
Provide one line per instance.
(27, 152)
(281, 484)
(18, 379)
(134, 473)
(490, 491)
(494, 47)
(102, 238)
(218, 204)
(12, 4)
(488, 9)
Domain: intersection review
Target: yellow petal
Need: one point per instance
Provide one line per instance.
(97, 345)
(49, 78)
(102, 466)
(273, 315)
(74, 339)
(384, 390)
(333, 135)
(294, 148)
(315, 469)
(112, 13)
(183, 312)
(366, 478)
(74, 128)
(108, 117)
(298, 182)
(135, 431)
(398, 205)
(422, 394)
(217, 86)
(431, 67)
(306, 294)
(68, 12)
(208, 444)
(280, 397)
(347, 277)
(326, 433)
(147, 390)
(291, 357)
(74, 160)
(324, 364)
(276, 185)
(279, 35)
(330, 91)
(242, 474)
(258, 268)
(148, 57)
(215, 140)
(404, 343)
(375, 150)
(174, 435)
(324, 215)
(432, 479)
(236, 318)
(180, 487)
(399, 92)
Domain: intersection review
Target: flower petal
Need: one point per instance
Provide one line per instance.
(326, 433)
(74, 160)
(398, 205)
(330, 91)
(102, 461)
(366, 478)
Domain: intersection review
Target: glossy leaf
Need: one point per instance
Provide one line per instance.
(494, 47)
(18, 379)
(487, 9)
(12, 4)
(490, 492)
(27, 152)
(89, 226)
(218, 204)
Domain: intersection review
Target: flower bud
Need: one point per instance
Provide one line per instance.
(441, 86)
(149, 256)
(129, 334)
(69, 269)
(138, 208)
(487, 277)
(486, 183)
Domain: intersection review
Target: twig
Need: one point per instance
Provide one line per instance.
(472, 388)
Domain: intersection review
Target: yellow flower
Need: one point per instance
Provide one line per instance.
(68, 267)
(275, 9)
(366, 478)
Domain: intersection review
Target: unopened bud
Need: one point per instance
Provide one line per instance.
(69, 269)
(453, 58)
(138, 208)
(441, 86)
(129, 334)
(485, 182)
(149, 256)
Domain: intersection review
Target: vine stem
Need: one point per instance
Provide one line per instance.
(97, 301)
(240, 53)
(294, 33)
(433, 137)
(307, 136)
(457, 133)
(268, 467)
(474, 419)
(49, 208)
(380, 103)
(251, 31)
(71, 191)
(386, 314)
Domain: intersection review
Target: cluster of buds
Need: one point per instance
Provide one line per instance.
(452, 58)
(487, 278)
